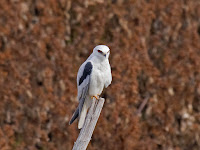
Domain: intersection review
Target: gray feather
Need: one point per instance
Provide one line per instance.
(83, 87)
(75, 115)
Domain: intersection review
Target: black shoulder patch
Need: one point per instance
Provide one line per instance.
(87, 71)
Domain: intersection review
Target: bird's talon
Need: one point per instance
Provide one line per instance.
(94, 97)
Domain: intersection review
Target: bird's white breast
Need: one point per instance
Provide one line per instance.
(98, 78)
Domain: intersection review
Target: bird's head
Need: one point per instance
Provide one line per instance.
(102, 51)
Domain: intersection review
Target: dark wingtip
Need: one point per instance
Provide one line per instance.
(75, 115)
(70, 123)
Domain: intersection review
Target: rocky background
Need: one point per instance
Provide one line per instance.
(155, 56)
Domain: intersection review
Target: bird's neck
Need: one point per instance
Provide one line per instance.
(98, 60)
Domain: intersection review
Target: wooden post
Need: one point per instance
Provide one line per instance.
(89, 125)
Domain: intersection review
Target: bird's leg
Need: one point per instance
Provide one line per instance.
(95, 97)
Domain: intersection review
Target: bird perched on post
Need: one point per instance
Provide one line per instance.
(93, 76)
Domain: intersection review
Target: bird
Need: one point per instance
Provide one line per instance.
(93, 76)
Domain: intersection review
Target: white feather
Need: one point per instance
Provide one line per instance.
(99, 78)
(82, 117)
(87, 104)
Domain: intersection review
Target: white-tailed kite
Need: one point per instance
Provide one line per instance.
(93, 75)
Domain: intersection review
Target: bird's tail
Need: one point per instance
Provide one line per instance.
(75, 115)
(82, 116)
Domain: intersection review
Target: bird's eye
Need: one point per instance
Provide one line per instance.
(100, 51)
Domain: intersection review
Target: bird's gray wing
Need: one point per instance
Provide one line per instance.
(83, 82)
